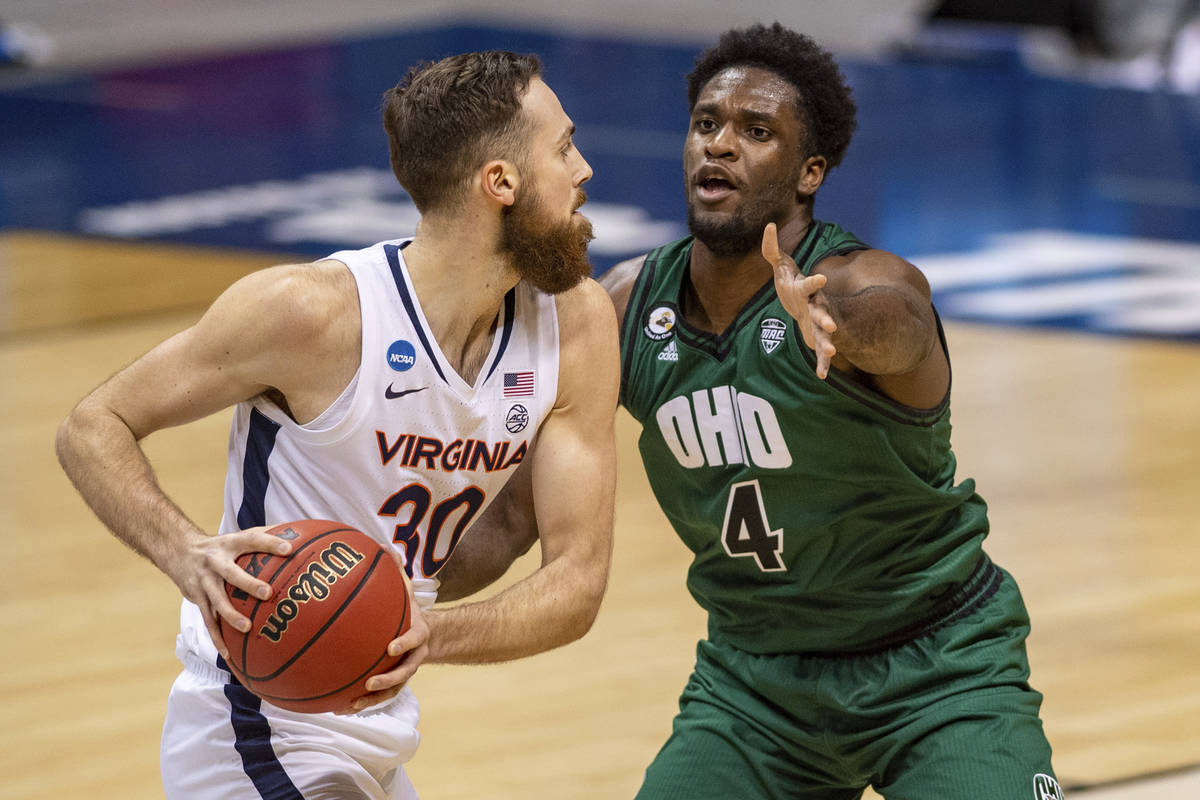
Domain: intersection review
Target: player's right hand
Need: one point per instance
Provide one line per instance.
(804, 299)
(209, 562)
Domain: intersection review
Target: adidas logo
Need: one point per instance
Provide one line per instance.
(669, 353)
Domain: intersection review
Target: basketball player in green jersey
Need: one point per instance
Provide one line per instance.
(796, 424)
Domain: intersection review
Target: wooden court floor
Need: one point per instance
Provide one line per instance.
(1087, 449)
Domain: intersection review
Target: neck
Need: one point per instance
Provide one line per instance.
(720, 286)
(460, 277)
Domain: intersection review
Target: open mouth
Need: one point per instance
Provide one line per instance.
(714, 188)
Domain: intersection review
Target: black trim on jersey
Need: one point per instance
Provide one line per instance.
(393, 257)
(252, 741)
(892, 409)
(251, 730)
(260, 441)
(633, 313)
(719, 345)
(510, 309)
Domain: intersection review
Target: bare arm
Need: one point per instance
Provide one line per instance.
(573, 473)
(868, 313)
(509, 527)
(618, 282)
(502, 534)
(245, 343)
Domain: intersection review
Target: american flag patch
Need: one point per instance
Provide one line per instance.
(518, 384)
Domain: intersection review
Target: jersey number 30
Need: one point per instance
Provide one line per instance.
(746, 531)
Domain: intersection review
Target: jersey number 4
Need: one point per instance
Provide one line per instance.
(746, 531)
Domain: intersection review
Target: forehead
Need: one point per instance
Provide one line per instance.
(543, 109)
(748, 88)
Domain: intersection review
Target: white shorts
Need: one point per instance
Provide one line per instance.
(220, 742)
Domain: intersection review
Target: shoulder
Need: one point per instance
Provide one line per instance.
(619, 281)
(585, 305)
(297, 300)
(588, 351)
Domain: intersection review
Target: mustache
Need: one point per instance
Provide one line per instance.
(580, 199)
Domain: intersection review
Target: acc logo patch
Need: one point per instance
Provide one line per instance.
(401, 356)
(517, 419)
(660, 322)
(1046, 788)
(771, 333)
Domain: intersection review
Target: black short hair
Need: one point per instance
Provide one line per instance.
(825, 104)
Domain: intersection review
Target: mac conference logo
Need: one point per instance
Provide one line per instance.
(771, 333)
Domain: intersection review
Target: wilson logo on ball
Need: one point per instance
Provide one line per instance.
(335, 562)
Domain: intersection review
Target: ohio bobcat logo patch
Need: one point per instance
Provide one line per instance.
(1046, 788)
(660, 322)
(770, 333)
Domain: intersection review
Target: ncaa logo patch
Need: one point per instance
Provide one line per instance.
(660, 322)
(517, 419)
(1046, 788)
(771, 333)
(401, 356)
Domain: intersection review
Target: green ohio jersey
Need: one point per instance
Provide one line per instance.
(823, 517)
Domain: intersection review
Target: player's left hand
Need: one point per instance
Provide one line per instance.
(804, 299)
(413, 643)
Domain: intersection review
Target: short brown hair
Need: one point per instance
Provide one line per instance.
(447, 118)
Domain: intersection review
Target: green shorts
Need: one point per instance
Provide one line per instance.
(947, 715)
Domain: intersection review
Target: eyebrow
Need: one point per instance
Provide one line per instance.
(747, 114)
(567, 135)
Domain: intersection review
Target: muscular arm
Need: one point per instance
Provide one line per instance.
(509, 527)
(244, 344)
(881, 306)
(867, 313)
(501, 535)
(573, 475)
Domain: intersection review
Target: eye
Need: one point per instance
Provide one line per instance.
(705, 125)
(760, 133)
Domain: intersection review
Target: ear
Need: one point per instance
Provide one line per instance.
(499, 180)
(812, 175)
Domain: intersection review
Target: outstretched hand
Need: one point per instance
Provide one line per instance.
(804, 299)
(210, 562)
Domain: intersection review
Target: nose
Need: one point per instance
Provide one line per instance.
(585, 172)
(721, 144)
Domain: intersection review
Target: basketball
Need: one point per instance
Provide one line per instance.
(339, 598)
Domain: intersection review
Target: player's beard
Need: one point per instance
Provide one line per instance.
(550, 255)
(741, 232)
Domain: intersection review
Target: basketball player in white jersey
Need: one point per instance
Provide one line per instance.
(396, 389)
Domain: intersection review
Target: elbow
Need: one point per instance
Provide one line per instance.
(64, 438)
(587, 606)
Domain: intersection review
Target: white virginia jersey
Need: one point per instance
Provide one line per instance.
(410, 453)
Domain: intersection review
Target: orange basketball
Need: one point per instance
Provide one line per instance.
(339, 598)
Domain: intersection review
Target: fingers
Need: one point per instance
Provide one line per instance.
(214, 630)
(216, 566)
(820, 316)
(770, 244)
(825, 352)
(236, 544)
(387, 685)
